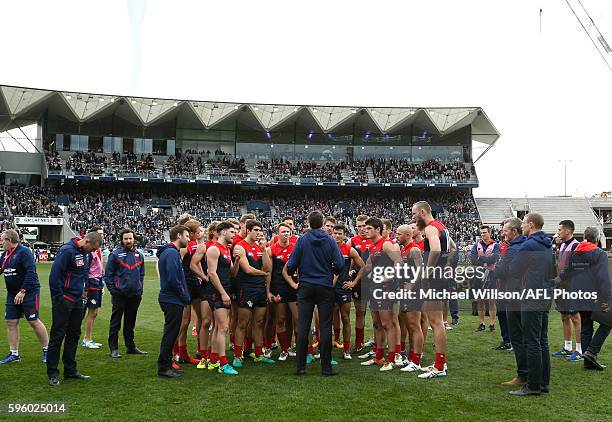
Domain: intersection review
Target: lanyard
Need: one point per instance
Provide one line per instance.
(8, 256)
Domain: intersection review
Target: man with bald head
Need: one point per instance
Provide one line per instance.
(410, 309)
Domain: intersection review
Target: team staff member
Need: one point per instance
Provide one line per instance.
(95, 289)
(588, 269)
(318, 258)
(23, 291)
(196, 291)
(67, 280)
(485, 253)
(511, 283)
(173, 297)
(125, 273)
(533, 263)
(569, 316)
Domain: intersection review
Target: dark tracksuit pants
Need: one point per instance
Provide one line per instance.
(173, 315)
(308, 296)
(591, 342)
(125, 308)
(65, 328)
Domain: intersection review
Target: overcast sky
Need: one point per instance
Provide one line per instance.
(548, 93)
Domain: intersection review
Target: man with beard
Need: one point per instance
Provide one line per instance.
(125, 273)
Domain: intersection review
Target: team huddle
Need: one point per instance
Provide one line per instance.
(239, 285)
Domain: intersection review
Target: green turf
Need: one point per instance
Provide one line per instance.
(128, 388)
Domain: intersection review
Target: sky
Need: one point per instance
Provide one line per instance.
(546, 89)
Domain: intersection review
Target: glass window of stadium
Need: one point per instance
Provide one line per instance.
(207, 149)
(96, 143)
(382, 151)
(79, 143)
(321, 152)
(143, 146)
(442, 153)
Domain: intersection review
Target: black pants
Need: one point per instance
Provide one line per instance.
(66, 328)
(535, 339)
(308, 296)
(515, 329)
(591, 342)
(502, 317)
(127, 308)
(173, 314)
(453, 304)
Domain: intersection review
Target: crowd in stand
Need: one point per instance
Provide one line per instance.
(223, 165)
(188, 165)
(116, 209)
(393, 170)
(102, 164)
(282, 170)
(29, 201)
(116, 212)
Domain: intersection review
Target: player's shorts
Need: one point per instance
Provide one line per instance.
(435, 283)
(250, 298)
(480, 283)
(94, 299)
(28, 308)
(214, 300)
(284, 292)
(233, 290)
(197, 292)
(343, 295)
(412, 304)
(565, 306)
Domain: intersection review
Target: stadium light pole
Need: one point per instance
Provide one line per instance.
(565, 175)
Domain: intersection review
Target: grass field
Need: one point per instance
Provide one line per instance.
(129, 389)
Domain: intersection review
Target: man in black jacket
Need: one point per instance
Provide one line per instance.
(124, 275)
(588, 272)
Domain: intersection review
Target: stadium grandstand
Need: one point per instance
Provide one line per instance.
(583, 211)
(120, 160)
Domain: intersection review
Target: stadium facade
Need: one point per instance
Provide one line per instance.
(70, 122)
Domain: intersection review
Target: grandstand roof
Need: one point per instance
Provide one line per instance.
(31, 103)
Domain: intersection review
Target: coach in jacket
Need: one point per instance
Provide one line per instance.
(533, 265)
(67, 281)
(124, 278)
(511, 283)
(588, 272)
(317, 257)
(173, 296)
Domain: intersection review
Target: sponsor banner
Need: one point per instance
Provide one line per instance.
(39, 221)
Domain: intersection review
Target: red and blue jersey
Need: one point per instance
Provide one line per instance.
(125, 272)
(19, 270)
(254, 254)
(69, 272)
